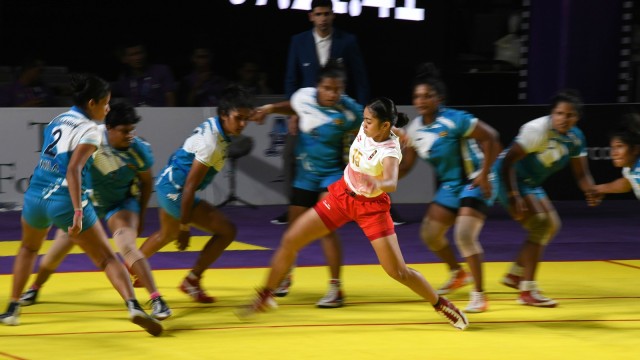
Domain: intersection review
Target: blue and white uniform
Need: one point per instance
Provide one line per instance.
(208, 145)
(632, 174)
(456, 158)
(319, 150)
(114, 172)
(547, 152)
(47, 200)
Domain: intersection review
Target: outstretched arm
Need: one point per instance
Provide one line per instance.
(617, 186)
(580, 168)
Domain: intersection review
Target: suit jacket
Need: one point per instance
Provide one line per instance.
(303, 65)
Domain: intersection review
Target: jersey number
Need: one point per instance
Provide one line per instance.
(356, 157)
(51, 148)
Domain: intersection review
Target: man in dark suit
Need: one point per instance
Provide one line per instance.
(308, 52)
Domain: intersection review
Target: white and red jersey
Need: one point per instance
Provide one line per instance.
(365, 162)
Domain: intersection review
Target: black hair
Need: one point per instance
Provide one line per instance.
(321, 3)
(234, 97)
(333, 69)
(86, 87)
(121, 113)
(628, 129)
(570, 96)
(428, 74)
(385, 110)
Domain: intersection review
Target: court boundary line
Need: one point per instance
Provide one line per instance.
(615, 262)
(252, 327)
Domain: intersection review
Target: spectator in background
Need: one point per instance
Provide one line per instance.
(202, 87)
(144, 84)
(250, 76)
(308, 52)
(28, 90)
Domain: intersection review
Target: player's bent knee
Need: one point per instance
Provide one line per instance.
(467, 231)
(542, 227)
(432, 234)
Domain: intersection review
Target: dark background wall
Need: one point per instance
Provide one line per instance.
(571, 47)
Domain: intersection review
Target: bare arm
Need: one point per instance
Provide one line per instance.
(146, 187)
(489, 141)
(74, 181)
(389, 182)
(580, 168)
(283, 107)
(195, 177)
(508, 174)
(617, 186)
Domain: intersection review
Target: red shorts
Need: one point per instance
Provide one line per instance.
(342, 205)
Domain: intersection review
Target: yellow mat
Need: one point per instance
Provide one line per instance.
(79, 316)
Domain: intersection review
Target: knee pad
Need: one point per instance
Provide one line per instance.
(125, 239)
(432, 234)
(467, 231)
(542, 227)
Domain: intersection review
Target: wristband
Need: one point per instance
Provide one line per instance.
(78, 211)
(185, 227)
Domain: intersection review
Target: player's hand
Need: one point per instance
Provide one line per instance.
(183, 240)
(76, 227)
(260, 114)
(594, 196)
(482, 181)
(518, 207)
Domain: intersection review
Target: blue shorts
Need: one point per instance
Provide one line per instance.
(314, 182)
(170, 197)
(449, 195)
(56, 210)
(524, 190)
(129, 204)
(523, 187)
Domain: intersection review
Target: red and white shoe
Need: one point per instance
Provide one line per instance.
(263, 302)
(454, 316)
(191, 287)
(530, 295)
(458, 279)
(511, 280)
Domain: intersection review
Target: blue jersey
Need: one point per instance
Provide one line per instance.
(319, 149)
(63, 134)
(445, 144)
(633, 176)
(114, 171)
(208, 145)
(547, 150)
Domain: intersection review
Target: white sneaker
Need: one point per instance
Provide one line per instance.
(12, 315)
(142, 319)
(333, 298)
(477, 302)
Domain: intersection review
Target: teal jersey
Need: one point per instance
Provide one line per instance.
(61, 136)
(319, 149)
(547, 150)
(445, 144)
(207, 144)
(114, 171)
